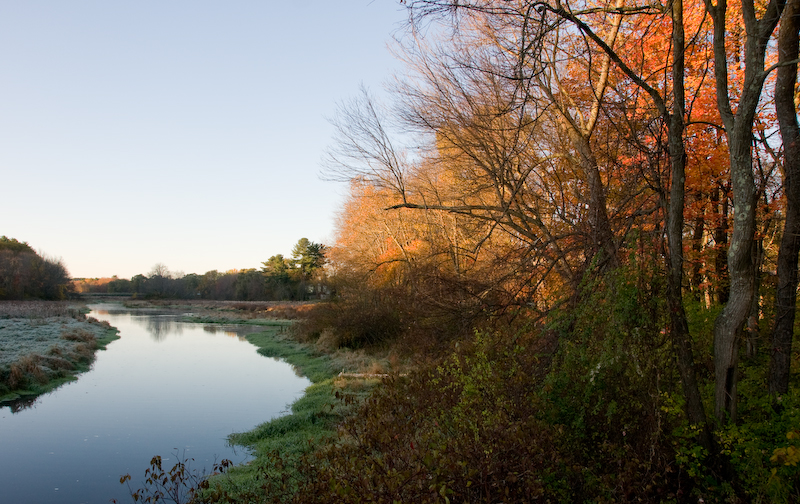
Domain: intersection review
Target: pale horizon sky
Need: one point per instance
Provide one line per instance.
(188, 133)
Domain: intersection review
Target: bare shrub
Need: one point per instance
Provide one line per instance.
(289, 311)
(35, 370)
(247, 306)
(327, 341)
(84, 352)
(103, 323)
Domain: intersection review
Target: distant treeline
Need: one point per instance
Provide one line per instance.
(25, 274)
(300, 277)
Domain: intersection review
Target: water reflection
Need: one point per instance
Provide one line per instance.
(159, 326)
(19, 404)
(240, 333)
(165, 385)
(161, 323)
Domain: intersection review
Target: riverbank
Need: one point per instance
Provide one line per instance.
(44, 344)
(341, 380)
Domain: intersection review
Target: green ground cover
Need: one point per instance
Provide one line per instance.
(279, 444)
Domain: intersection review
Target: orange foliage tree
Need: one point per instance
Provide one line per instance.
(551, 141)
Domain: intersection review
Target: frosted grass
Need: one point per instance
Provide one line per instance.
(20, 337)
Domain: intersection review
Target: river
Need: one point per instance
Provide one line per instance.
(164, 387)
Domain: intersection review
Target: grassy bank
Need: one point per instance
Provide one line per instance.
(341, 379)
(278, 445)
(45, 344)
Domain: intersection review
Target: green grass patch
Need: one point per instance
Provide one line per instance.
(314, 365)
(279, 444)
(106, 338)
(35, 390)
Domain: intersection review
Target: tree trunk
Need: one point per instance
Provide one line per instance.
(786, 297)
(751, 330)
(719, 199)
(697, 249)
(599, 226)
(679, 328)
(729, 326)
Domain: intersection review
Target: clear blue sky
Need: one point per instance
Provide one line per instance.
(186, 132)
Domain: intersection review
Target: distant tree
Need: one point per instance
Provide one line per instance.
(190, 285)
(299, 248)
(15, 246)
(139, 284)
(250, 285)
(160, 270)
(25, 274)
(276, 278)
(308, 257)
(158, 278)
(52, 280)
(276, 268)
(117, 285)
(225, 287)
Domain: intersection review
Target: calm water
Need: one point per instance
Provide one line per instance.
(163, 387)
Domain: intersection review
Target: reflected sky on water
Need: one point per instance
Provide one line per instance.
(164, 387)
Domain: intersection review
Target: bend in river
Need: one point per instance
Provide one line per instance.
(164, 387)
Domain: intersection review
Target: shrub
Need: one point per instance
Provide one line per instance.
(355, 321)
(570, 414)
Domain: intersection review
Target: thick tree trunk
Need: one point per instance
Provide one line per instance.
(751, 331)
(786, 297)
(729, 326)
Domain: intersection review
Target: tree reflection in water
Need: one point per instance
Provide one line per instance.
(159, 325)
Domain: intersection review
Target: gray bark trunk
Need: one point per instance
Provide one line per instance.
(729, 326)
(786, 296)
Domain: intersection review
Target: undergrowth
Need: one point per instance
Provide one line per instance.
(587, 408)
